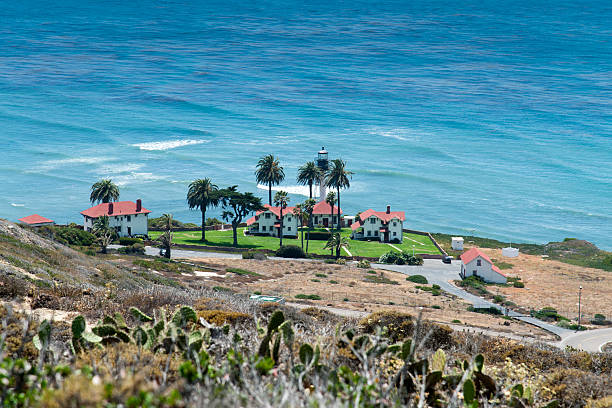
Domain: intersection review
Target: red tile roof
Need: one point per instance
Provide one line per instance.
(119, 208)
(383, 215)
(474, 253)
(35, 219)
(273, 210)
(323, 207)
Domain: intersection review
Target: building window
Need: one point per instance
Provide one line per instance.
(129, 218)
(316, 220)
(372, 220)
(268, 215)
(288, 228)
(369, 233)
(289, 219)
(394, 223)
(394, 233)
(478, 262)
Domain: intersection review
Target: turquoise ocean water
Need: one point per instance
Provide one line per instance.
(475, 117)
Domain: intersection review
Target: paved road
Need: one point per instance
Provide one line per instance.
(441, 274)
(592, 340)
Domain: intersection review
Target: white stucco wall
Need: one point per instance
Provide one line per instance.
(484, 271)
(137, 222)
(371, 230)
(290, 224)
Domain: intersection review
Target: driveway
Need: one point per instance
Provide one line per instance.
(591, 340)
(441, 274)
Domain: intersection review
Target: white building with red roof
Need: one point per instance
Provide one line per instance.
(128, 218)
(383, 226)
(36, 220)
(267, 222)
(325, 215)
(476, 263)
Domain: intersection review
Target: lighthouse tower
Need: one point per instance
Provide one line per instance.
(323, 165)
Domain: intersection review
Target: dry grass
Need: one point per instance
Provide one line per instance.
(290, 278)
(555, 284)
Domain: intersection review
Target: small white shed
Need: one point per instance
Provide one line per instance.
(510, 252)
(457, 243)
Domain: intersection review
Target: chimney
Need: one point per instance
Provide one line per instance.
(110, 208)
(388, 209)
(138, 205)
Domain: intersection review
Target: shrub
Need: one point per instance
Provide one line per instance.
(73, 236)
(242, 272)
(290, 251)
(599, 316)
(258, 255)
(485, 310)
(436, 307)
(333, 282)
(309, 297)
(371, 272)
(132, 249)
(340, 261)
(364, 263)
(498, 298)
(379, 279)
(435, 286)
(320, 275)
(456, 321)
(518, 284)
(221, 317)
(397, 325)
(330, 261)
(320, 235)
(400, 258)
(126, 241)
(345, 300)
(417, 279)
(315, 280)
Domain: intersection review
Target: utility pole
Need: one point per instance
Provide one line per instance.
(579, 299)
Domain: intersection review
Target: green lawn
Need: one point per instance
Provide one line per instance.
(422, 244)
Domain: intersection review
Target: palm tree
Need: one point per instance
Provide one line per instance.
(103, 232)
(281, 199)
(336, 242)
(104, 191)
(269, 172)
(308, 209)
(331, 200)
(309, 174)
(338, 177)
(299, 213)
(165, 239)
(202, 194)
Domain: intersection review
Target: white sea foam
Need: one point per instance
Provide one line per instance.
(131, 178)
(402, 134)
(169, 144)
(53, 164)
(17, 205)
(300, 190)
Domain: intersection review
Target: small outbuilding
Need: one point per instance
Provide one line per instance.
(476, 263)
(36, 220)
(457, 243)
(510, 252)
